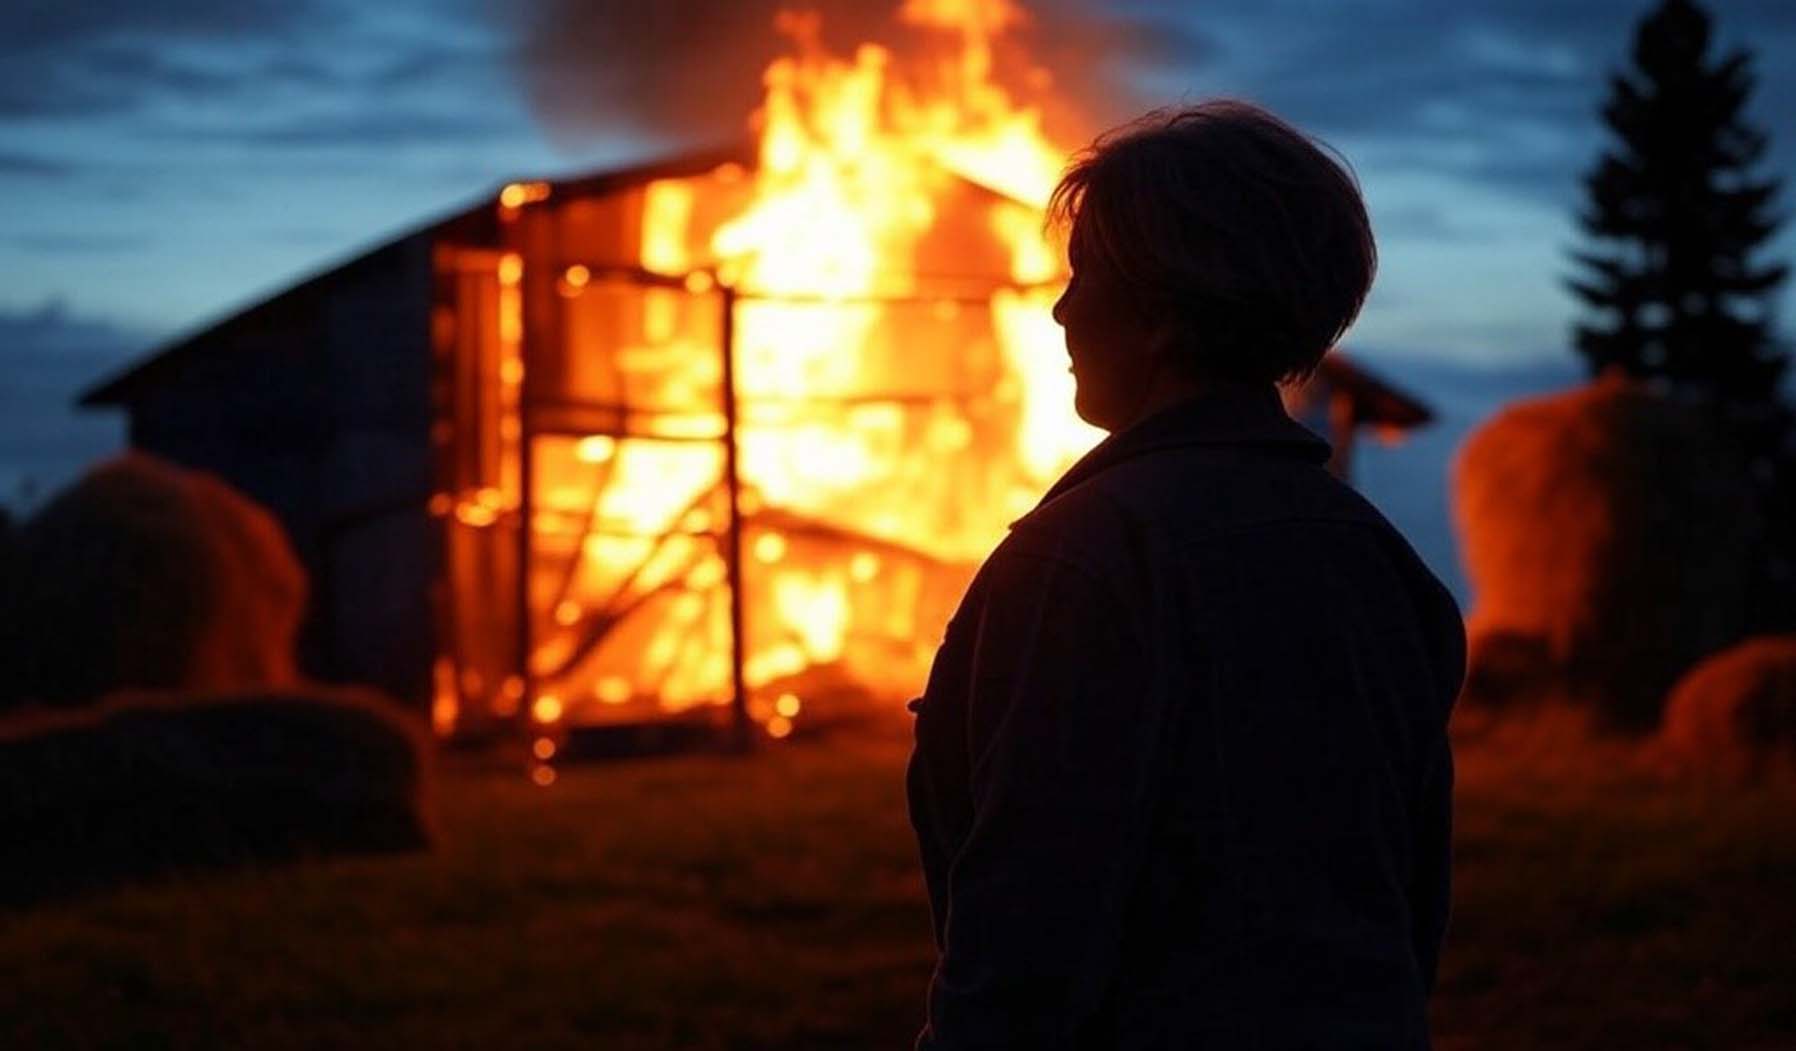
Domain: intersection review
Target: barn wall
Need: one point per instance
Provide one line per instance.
(380, 550)
(249, 408)
(317, 405)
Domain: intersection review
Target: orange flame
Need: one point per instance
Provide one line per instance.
(902, 389)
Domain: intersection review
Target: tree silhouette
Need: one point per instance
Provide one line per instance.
(1677, 215)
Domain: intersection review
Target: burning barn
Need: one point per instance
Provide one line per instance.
(717, 438)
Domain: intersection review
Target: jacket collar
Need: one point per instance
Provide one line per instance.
(1228, 415)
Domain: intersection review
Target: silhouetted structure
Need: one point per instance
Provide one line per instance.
(1679, 215)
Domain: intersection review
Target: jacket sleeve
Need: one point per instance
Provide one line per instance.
(1431, 890)
(1059, 756)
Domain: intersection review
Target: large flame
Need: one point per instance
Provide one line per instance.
(902, 389)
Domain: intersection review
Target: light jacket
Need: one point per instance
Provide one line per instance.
(1181, 775)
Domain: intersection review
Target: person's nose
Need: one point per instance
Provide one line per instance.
(1059, 311)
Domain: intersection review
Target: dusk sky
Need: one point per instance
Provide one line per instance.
(165, 163)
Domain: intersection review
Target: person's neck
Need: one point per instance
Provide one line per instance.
(1170, 389)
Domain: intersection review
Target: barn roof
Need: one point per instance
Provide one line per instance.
(476, 223)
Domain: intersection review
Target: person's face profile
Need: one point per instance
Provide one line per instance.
(1105, 340)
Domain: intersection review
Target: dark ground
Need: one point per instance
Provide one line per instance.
(773, 902)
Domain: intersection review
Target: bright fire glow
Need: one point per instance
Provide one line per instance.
(902, 389)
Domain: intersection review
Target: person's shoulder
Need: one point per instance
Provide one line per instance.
(1199, 491)
(1128, 520)
(1081, 527)
(1144, 509)
(1070, 549)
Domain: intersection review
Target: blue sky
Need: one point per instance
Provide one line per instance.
(165, 163)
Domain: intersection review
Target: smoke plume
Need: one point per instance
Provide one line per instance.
(689, 71)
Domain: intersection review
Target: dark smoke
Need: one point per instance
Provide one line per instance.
(689, 71)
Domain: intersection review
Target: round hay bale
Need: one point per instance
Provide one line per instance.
(1614, 526)
(1733, 717)
(147, 783)
(261, 599)
(147, 575)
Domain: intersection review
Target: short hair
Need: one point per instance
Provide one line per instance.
(1225, 222)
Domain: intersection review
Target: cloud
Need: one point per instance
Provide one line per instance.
(443, 62)
(125, 57)
(40, 24)
(354, 129)
(1500, 92)
(80, 244)
(125, 77)
(59, 60)
(32, 165)
(49, 355)
(127, 88)
(51, 332)
(1423, 222)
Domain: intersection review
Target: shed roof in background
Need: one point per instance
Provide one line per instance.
(1375, 400)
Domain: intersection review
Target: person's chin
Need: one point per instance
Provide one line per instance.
(1094, 415)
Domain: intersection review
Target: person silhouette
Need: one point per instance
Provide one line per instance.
(1181, 776)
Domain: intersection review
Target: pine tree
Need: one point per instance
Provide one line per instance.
(1677, 215)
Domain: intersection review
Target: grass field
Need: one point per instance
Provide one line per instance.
(773, 902)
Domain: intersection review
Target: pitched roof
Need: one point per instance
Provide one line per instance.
(475, 223)
(1375, 400)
